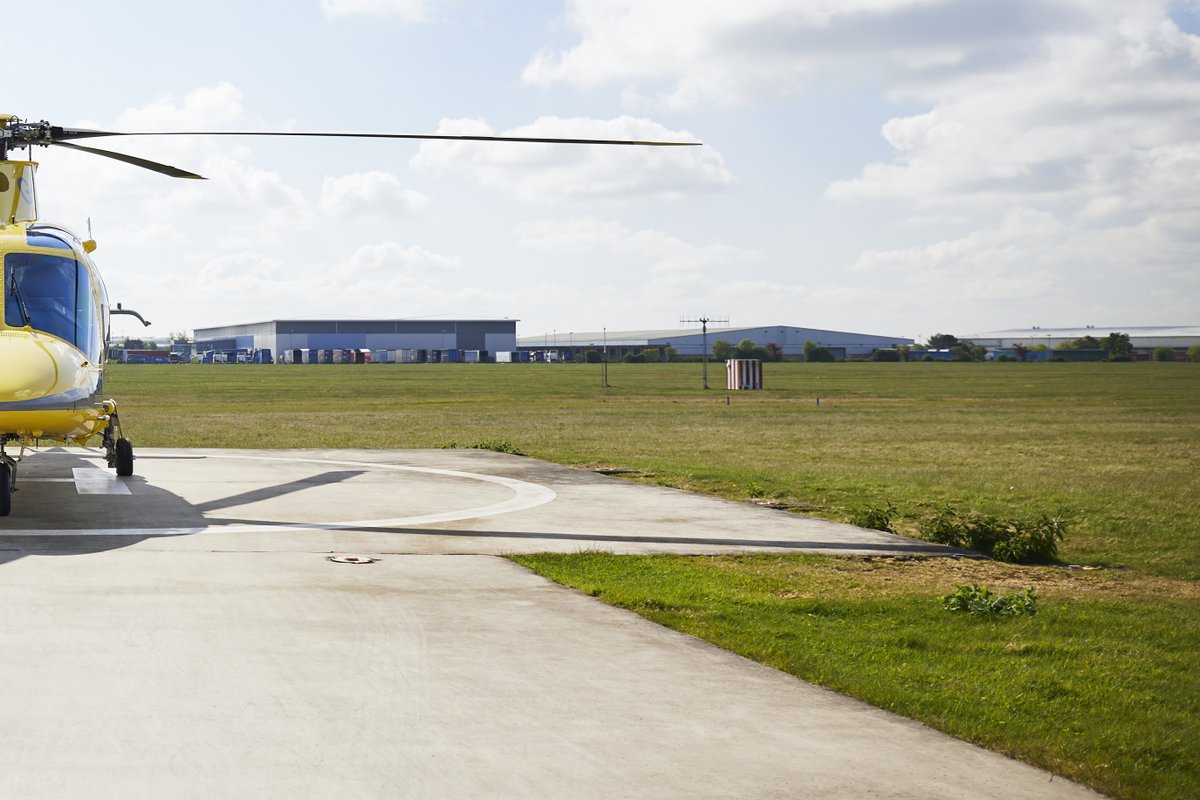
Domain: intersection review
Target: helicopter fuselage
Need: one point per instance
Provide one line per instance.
(54, 322)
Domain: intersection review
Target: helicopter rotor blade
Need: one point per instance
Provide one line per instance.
(60, 134)
(154, 166)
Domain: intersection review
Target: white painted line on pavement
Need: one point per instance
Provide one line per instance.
(526, 495)
(90, 480)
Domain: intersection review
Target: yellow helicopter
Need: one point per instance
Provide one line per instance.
(54, 310)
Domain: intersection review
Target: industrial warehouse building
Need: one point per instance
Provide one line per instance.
(311, 339)
(1143, 338)
(692, 341)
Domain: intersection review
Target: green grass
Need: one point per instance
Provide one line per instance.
(1117, 446)
(1100, 686)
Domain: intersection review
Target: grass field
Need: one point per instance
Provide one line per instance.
(1101, 686)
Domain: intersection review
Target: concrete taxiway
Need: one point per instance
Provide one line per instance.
(184, 633)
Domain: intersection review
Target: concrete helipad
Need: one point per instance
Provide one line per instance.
(413, 501)
(183, 633)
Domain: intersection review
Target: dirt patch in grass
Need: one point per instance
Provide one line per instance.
(902, 575)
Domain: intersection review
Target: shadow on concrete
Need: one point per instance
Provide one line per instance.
(279, 490)
(92, 523)
(45, 481)
(912, 547)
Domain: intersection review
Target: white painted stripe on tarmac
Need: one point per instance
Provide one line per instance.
(90, 480)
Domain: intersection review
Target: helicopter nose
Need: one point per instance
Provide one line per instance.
(27, 369)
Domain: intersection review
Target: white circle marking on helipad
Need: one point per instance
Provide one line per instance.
(526, 495)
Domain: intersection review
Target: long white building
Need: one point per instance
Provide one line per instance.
(691, 341)
(1142, 337)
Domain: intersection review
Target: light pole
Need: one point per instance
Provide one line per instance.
(604, 360)
(704, 340)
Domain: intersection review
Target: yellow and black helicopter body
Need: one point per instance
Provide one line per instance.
(54, 310)
(54, 327)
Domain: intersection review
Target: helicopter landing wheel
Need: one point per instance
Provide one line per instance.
(124, 457)
(6, 488)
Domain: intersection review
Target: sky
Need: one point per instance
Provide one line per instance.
(893, 167)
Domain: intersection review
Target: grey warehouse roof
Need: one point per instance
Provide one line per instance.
(791, 338)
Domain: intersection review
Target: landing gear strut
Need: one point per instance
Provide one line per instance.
(117, 449)
(8, 481)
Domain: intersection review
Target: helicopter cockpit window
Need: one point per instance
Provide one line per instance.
(39, 239)
(51, 294)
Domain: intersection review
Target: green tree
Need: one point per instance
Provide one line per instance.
(905, 352)
(814, 352)
(1020, 351)
(967, 350)
(650, 355)
(1117, 345)
(1088, 342)
(942, 341)
(1194, 352)
(748, 349)
(1164, 354)
(885, 354)
(592, 356)
(774, 351)
(670, 353)
(722, 350)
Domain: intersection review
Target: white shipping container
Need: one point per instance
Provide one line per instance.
(504, 357)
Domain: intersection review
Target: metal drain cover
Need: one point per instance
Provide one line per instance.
(352, 559)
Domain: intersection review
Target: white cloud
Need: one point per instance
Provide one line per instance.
(639, 249)
(388, 260)
(373, 194)
(240, 273)
(554, 171)
(1088, 116)
(701, 51)
(407, 10)
(200, 109)
(1034, 265)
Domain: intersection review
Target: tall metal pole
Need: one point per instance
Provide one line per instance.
(704, 339)
(604, 360)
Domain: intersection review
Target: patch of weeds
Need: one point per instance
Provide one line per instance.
(1015, 541)
(876, 518)
(755, 490)
(495, 445)
(972, 598)
(1032, 542)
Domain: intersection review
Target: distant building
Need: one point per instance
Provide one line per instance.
(1143, 338)
(690, 341)
(289, 335)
